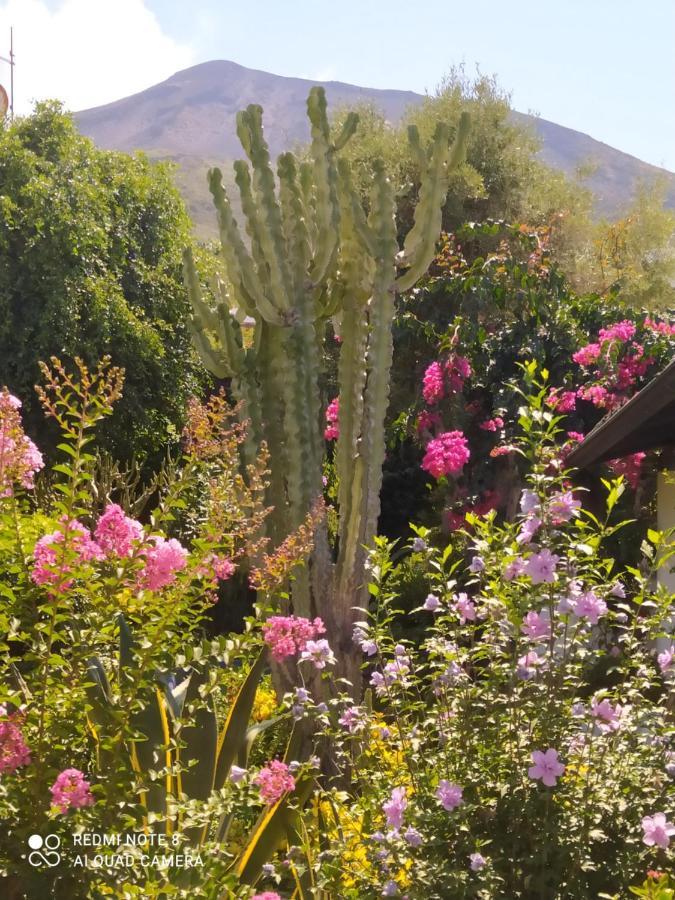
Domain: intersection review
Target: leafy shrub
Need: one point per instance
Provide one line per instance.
(525, 747)
(91, 264)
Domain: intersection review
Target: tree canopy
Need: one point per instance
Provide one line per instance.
(90, 263)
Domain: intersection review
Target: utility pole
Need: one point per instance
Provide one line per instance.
(11, 62)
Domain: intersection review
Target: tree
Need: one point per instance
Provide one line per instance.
(90, 263)
(501, 177)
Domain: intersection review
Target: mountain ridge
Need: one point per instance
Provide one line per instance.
(190, 119)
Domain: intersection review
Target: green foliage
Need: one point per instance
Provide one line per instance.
(470, 702)
(90, 263)
(501, 177)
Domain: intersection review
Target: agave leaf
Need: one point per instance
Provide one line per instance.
(270, 830)
(199, 742)
(233, 734)
(251, 736)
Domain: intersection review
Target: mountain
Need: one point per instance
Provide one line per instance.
(190, 119)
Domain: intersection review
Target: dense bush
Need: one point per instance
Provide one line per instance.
(90, 253)
(494, 299)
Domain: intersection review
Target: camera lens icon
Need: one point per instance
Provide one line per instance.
(47, 856)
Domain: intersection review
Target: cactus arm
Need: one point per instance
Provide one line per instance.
(268, 227)
(420, 242)
(240, 267)
(380, 347)
(348, 129)
(351, 203)
(327, 213)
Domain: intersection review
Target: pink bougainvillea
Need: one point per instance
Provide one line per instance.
(332, 431)
(71, 790)
(630, 467)
(433, 388)
(289, 635)
(427, 421)
(492, 424)
(446, 454)
(457, 370)
(274, 780)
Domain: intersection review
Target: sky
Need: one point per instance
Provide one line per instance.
(604, 67)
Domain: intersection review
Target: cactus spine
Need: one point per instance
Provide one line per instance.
(311, 252)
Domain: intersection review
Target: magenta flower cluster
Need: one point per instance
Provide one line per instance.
(20, 459)
(446, 454)
(116, 535)
(14, 751)
(332, 431)
(289, 635)
(71, 790)
(274, 780)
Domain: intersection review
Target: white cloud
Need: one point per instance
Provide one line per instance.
(85, 52)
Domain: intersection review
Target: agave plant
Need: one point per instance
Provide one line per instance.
(178, 734)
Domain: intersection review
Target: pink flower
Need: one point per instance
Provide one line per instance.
(620, 331)
(589, 606)
(608, 716)
(274, 780)
(217, 567)
(514, 569)
(457, 370)
(562, 507)
(657, 831)
(587, 355)
(562, 403)
(318, 653)
(289, 635)
(55, 554)
(432, 383)
(427, 421)
(476, 862)
(446, 455)
(116, 533)
(630, 467)
(162, 560)
(449, 794)
(20, 459)
(71, 790)
(528, 530)
(665, 658)
(332, 432)
(465, 608)
(537, 626)
(547, 767)
(659, 327)
(595, 394)
(395, 807)
(268, 895)
(13, 749)
(492, 424)
(541, 567)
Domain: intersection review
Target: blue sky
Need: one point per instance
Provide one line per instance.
(605, 67)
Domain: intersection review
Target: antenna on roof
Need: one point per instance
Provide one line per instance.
(5, 101)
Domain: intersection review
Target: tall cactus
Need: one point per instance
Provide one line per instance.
(310, 252)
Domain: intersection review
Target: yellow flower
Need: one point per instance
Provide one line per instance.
(264, 705)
